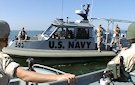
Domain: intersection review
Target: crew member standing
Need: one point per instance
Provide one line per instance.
(116, 37)
(99, 37)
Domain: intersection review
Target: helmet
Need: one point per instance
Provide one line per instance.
(131, 32)
(4, 29)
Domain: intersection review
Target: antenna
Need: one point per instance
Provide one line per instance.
(91, 7)
(61, 9)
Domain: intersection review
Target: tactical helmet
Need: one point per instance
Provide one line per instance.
(4, 29)
(131, 32)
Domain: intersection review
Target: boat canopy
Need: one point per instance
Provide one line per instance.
(77, 24)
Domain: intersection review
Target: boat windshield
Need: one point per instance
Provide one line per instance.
(49, 31)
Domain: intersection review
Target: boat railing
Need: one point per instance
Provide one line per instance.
(38, 68)
(84, 79)
(48, 68)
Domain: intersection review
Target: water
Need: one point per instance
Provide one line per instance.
(75, 68)
(82, 68)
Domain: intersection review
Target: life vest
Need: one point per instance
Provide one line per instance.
(22, 34)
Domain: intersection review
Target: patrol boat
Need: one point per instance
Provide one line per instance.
(63, 39)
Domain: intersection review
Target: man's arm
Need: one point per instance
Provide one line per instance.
(38, 77)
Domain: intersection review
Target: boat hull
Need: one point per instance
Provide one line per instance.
(59, 56)
(56, 53)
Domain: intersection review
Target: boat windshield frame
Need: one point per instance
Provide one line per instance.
(48, 33)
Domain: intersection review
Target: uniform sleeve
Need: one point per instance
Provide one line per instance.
(9, 66)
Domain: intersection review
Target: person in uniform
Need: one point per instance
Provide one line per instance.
(99, 33)
(116, 37)
(22, 35)
(128, 54)
(10, 69)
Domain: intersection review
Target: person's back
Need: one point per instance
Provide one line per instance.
(4, 58)
(4, 79)
(7, 68)
(129, 57)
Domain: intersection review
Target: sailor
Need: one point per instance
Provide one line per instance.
(99, 33)
(10, 69)
(22, 35)
(116, 37)
(128, 54)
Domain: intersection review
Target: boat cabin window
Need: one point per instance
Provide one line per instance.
(64, 33)
(82, 33)
(70, 33)
(49, 31)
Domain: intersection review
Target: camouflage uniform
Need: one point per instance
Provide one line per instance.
(129, 58)
(99, 37)
(7, 68)
(116, 37)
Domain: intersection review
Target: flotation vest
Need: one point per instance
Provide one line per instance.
(22, 35)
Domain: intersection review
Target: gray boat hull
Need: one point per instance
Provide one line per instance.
(59, 56)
